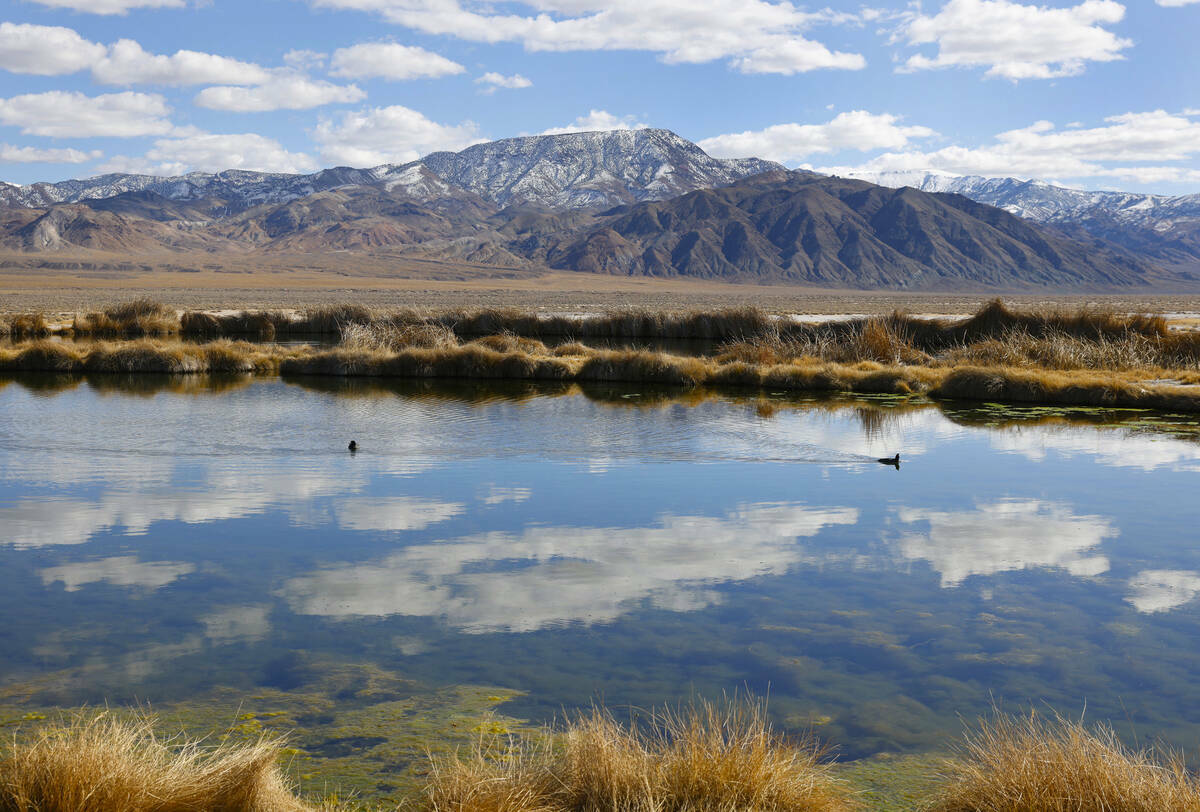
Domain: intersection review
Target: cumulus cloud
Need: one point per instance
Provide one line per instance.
(287, 91)
(755, 36)
(493, 81)
(389, 60)
(595, 121)
(46, 50)
(857, 130)
(1016, 41)
(1043, 151)
(1008, 535)
(393, 134)
(110, 6)
(56, 51)
(212, 152)
(64, 114)
(20, 155)
(127, 63)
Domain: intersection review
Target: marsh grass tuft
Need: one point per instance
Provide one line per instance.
(141, 317)
(1035, 763)
(718, 757)
(27, 325)
(100, 763)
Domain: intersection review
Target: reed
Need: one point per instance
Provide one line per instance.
(1037, 764)
(705, 757)
(27, 325)
(100, 763)
(141, 317)
(143, 356)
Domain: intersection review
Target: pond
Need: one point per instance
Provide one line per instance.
(209, 547)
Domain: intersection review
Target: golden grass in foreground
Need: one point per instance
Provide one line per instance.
(1039, 764)
(708, 757)
(103, 764)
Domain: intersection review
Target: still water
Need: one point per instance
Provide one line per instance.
(535, 550)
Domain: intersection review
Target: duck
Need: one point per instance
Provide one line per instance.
(353, 446)
(891, 461)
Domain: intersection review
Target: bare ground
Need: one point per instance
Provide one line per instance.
(64, 285)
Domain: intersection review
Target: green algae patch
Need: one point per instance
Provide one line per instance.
(892, 783)
(351, 731)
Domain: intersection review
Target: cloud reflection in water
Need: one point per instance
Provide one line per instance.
(548, 576)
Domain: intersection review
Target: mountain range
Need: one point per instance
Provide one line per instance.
(629, 202)
(1162, 228)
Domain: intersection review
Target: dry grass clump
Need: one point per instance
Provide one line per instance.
(384, 336)
(1038, 764)
(136, 357)
(102, 764)
(330, 319)
(261, 325)
(27, 325)
(705, 758)
(141, 317)
(712, 325)
(995, 336)
(643, 367)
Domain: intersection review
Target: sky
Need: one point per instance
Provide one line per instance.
(1096, 94)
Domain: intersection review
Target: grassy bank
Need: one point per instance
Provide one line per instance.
(1079, 358)
(701, 758)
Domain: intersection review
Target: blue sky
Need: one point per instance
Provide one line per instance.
(1091, 93)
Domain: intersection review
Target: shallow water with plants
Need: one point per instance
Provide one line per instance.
(209, 547)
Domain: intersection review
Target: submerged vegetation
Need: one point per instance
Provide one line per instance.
(1080, 358)
(705, 757)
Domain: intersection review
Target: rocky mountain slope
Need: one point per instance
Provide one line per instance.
(1161, 227)
(642, 202)
(806, 228)
(555, 171)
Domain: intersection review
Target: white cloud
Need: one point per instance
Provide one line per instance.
(18, 155)
(595, 121)
(393, 134)
(1175, 3)
(110, 6)
(493, 81)
(118, 571)
(64, 114)
(1004, 536)
(497, 495)
(857, 129)
(127, 63)
(1043, 151)
(45, 50)
(283, 91)
(212, 152)
(1163, 590)
(755, 36)
(1015, 41)
(569, 574)
(303, 60)
(389, 60)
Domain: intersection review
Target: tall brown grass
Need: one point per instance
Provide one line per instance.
(1035, 763)
(100, 763)
(706, 757)
(27, 325)
(141, 317)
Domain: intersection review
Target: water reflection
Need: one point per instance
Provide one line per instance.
(1163, 590)
(1006, 535)
(123, 570)
(547, 576)
(574, 542)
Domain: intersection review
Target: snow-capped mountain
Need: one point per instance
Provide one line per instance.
(1046, 203)
(573, 170)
